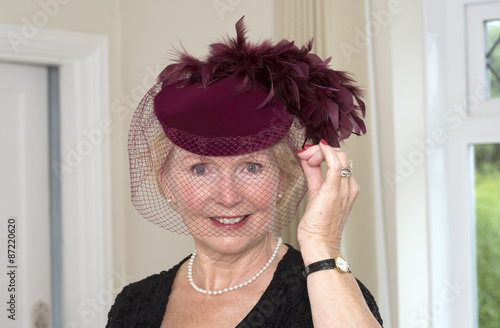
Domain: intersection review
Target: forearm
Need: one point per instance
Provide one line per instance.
(335, 297)
(336, 300)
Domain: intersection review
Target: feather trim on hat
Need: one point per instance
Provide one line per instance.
(321, 98)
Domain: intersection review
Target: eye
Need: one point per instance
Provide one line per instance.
(253, 167)
(199, 169)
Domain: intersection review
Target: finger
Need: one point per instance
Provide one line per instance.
(312, 154)
(353, 189)
(307, 153)
(313, 174)
(317, 158)
(346, 187)
(343, 157)
(311, 159)
(333, 163)
(346, 165)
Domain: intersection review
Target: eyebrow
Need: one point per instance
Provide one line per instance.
(256, 155)
(192, 156)
(245, 157)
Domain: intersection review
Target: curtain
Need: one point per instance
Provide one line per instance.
(300, 20)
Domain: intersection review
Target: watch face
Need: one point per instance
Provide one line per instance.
(342, 264)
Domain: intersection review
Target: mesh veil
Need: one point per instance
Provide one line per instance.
(187, 193)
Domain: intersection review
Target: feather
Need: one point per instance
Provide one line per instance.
(205, 74)
(241, 30)
(270, 96)
(332, 110)
(244, 87)
(327, 102)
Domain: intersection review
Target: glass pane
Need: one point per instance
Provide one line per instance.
(492, 49)
(487, 199)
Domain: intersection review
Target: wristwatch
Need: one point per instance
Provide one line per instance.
(339, 263)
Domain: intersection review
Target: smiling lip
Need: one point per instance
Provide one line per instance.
(230, 222)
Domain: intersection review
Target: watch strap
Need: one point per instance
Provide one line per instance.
(320, 265)
(323, 265)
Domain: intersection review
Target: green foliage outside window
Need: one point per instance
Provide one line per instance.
(492, 30)
(487, 197)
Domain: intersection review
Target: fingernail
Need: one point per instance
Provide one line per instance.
(324, 142)
(307, 146)
(300, 151)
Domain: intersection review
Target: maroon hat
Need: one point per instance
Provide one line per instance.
(321, 99)
(198, 119)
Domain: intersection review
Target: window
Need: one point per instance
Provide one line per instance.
(487, 227)
(483, 57)
(464, 101)
(492, 57)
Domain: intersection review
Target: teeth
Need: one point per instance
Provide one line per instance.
(229, 221)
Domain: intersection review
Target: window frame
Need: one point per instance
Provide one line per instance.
(456, 105)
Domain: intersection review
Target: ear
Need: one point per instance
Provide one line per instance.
(283, 183)
(164, 185)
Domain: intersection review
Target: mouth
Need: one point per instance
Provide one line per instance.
(230, 223)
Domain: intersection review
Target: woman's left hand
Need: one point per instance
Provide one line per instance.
(330, 202)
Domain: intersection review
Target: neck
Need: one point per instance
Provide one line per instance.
(218, 269)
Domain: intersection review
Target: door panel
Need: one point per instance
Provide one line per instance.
(24, 193)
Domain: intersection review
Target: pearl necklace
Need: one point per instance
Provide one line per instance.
(230, 289)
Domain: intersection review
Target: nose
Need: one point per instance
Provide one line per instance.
(228, 193)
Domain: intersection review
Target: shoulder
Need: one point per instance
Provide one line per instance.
(289, 282)
(136, 290)
(143, 299)
(149, 285)
(291, 270)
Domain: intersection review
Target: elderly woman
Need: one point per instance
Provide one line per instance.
(224, 149)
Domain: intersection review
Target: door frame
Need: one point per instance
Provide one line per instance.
(85, 161)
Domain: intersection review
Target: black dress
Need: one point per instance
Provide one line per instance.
(285, 303)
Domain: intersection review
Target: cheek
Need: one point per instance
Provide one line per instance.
(261, 194)
(190, 195)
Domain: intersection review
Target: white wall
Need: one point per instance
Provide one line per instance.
(398, 42)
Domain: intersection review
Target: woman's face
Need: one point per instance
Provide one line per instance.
(223, 196)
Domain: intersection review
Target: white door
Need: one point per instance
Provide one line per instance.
(24, 195)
